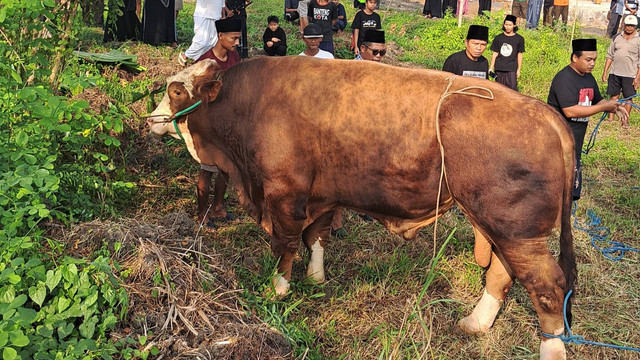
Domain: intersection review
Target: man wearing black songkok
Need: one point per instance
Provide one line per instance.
(225, 54)
(237, 9)
(574, 93)
(373, 47)
(470, 62)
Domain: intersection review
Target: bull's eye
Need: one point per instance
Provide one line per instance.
(177, 93)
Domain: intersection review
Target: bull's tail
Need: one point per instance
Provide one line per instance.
(567, 260)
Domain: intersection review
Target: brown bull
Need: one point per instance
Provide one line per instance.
(295, 154)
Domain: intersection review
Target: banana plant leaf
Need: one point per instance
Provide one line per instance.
(116, 57)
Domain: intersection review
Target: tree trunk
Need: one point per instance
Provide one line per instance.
(67, 9)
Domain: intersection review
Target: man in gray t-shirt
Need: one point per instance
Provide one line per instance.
(623, 63)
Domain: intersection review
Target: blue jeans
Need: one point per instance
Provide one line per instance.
(533, 13)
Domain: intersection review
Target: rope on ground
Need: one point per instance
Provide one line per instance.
(599, 235)
(569, 338)
(609, 183)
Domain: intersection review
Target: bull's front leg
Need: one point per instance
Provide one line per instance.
(315, 237)
(288, 215)
(284, 248)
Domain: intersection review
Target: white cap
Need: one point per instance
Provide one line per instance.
(631, 20)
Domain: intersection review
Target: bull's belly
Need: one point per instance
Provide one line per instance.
(408, 227)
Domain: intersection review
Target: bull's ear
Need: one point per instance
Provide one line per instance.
(210, 90)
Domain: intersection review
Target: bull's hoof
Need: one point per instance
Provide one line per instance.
(471, 325)
(281, 286)
(552, 349)
(316, 276)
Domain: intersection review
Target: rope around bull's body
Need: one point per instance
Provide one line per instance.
(443, 172)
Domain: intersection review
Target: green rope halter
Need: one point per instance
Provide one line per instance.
(186, 111)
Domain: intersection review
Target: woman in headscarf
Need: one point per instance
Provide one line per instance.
(122, 27)
(159, 22)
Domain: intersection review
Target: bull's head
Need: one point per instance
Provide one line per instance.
(199, 82)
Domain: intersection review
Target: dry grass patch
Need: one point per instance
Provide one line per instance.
(182, 295)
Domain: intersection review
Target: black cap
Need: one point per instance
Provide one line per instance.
(478, 32)
(374, 36)
(312, 31)
(511, 18)
(584, 45)
(228, 25)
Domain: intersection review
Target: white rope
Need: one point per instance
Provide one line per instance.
(446, 94)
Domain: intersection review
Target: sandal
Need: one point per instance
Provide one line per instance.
(182, 59)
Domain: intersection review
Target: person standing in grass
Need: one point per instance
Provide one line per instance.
(547, 13)
(159, 22)
(303, 9)
(274, 38)
(507, 48)
(574, 93)
(324, 13)
(623, 63)
(470, 62)
(533, 13)
(519, 10)
(484, 5)
(615, 15)
(432, 9)
(367, 19)
(205, 36)
(237, 9)
(226, 55)
(560, 9)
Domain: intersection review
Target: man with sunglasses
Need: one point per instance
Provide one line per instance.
(373, 47)
(470, 62)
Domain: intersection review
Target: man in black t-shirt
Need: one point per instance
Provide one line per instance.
(470, 62)
(574, 93)
(507, 54)
(366, 19)
(325, 14)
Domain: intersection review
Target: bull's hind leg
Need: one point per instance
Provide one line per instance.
(315, 238)
(538, 272)
(499, 281)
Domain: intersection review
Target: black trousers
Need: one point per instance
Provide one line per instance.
(508, 79)
(484, 5)
(579, 130)
(243, 49)
(276, 50)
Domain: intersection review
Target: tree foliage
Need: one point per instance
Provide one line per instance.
(55, 157)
